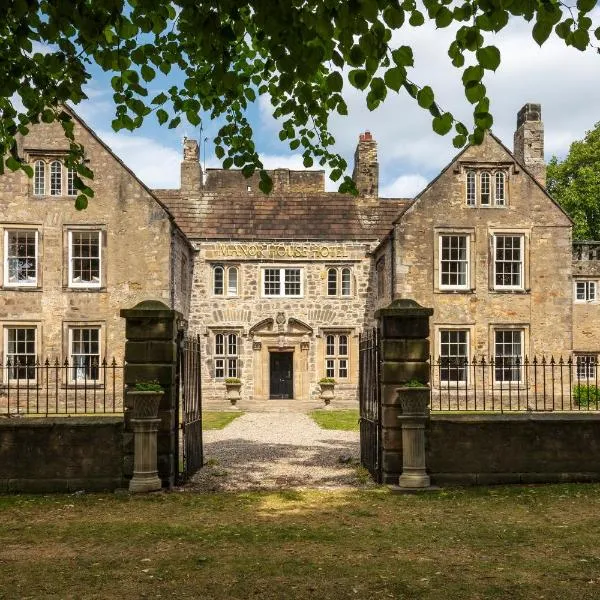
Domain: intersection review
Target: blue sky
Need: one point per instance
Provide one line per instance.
(565, 81)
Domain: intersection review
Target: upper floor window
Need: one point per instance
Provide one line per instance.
(85, 258)
(53, 178)
(225, 281)
(585, 291)
(226, 355)
(339, 281)
(282, 281)
(21, 258)
(485, 188)
(336, 356)
(454, 261)
(20, 350)
(508, 261)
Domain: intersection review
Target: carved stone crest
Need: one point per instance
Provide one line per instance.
(280, 318)
(190, 150)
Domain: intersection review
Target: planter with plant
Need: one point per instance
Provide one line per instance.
(233, 387)
(327, 385)
(145, 399)
(414, 397)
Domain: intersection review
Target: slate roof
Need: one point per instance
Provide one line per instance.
(284, 215)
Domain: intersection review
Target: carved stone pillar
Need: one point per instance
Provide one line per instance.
(145, 473)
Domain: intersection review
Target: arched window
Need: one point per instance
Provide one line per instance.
(485, 194)
(500, 189)
(332, 282)
(232, 281)
(346, 282)
(471, 188)
(71, 190)
(39, 178)
(55, 178)
(218, 279)
(226, 355)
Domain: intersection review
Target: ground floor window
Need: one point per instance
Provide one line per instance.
(508, 355)
(20, 352)
(586, 366)
(454, 355)
(336, 356)
(84, 353)
(226, 355)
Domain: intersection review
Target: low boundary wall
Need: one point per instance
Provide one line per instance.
(61, 454)
(513, 448)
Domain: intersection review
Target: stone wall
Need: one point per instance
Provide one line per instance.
(543, 309)
(586, 315)
(136, 246)
(61, 454)
(284, 180)
(290, 324)
(513, 448)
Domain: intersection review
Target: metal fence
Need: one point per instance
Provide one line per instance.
(511, 384)
(60, 387)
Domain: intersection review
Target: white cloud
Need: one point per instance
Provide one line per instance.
(405, 186)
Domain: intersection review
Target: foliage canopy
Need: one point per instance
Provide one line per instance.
(575, 184)
(301, 54)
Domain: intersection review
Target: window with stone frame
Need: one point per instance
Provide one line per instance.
(585, 291)
(21, 258)
(454, 355)
(454, 267)
(336, 355)
(227, 347)
(508, 355)
(53, 178)
(508, 261)
(282, 281)
(339, 281)
(85, 258)
(225, 280)
(586, 366)
(84, 354)
(486, 187)
(20, 352)
(39, 178)
(380, 273)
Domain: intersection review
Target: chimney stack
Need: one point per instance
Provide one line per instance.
(529, 140)
(366, 167)
(191, 172)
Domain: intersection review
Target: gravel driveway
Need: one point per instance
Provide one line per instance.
(280, 450)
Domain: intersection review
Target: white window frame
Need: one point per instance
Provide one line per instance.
(339, 282)
(441, 356)
(499, 176)
(489, 189)
(87, 284)
(282, 271)
(588, 363)
(337, 362)
(227, 361)
(512, 330)
(471, 188)
(467, 284)
(58, 191)
(5, 371)
(521, 262)
(227, 290)
(71, 378)
(37, 179)
(7, 282)
(70, 188)
(590, 291)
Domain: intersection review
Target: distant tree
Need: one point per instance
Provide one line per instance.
(575, 184)
(300, 54)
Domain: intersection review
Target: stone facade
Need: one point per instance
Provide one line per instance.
(64, 273)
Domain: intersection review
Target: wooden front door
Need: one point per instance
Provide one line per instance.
(281, 375)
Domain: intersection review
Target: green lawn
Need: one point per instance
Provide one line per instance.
(218, 420)
(494, 543)
(346, 420)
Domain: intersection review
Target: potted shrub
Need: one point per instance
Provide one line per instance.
(414, 397)
(146, 397)
(327, 388)
(233, 385)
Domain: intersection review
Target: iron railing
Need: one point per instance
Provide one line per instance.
(512, 384)
(60, 387)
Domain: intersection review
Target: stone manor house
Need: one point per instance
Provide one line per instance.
(279, 287)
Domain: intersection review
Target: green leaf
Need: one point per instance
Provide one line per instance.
(416, 19)
(586, 5)
(403, 56)
(484, 120)
(356, 56)
(13, 164)
(443, 17)
(458, 141)
(474, 92)
(425, 97)
(541, 31)
(162, 116)
(393, 17)
(148, 73)
(443, 124)
(335, 82)
(394, 78)
(489, 57)
(358, 78)
(81, 202)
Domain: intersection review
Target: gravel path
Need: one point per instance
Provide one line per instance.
(277, 451)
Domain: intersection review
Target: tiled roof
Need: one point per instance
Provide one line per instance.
(284, 215)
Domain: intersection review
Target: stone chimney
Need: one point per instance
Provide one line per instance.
(529, 140)
(366, 167)
(191, 172)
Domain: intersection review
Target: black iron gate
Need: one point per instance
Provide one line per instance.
(370, 404)
(189, 408)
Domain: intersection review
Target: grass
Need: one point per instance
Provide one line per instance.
(346, 420)
(218, 420)
(492, 543)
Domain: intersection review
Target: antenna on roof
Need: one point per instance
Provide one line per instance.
(204, 143)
